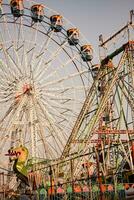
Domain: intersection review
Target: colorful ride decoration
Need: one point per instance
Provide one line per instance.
(37, 13)
(36, 178)
(73, 36)
(56, 23)
(19, 155)
(17, 8)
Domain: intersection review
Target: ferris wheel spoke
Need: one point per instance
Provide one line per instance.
(65, 104)
(6, 70)
(13, 44)
(5, 91)
(61, 96)
(53, 149)
(21, 40)
(41, 74)
(63, 79)
(53, 57)
(47, 149)
(39, 67)
(6, 29)
(56, 112)
(11, 62)
(41, 128)
(45, 45)
(18, 64)
(34, 36)
(64, 89)
(13, 112)
(7, 112)
(50, 115)
(24, 60)
(6, 99)
(51, 123)
(47, 66)
(58, 50)
(4, 84)
(19, 34)
(57, 105)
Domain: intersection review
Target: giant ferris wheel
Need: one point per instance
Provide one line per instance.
(69, 113)
(44, 78)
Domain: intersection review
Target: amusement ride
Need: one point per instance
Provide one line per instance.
(65, 120)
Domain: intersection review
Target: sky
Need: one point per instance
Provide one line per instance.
(93, 17)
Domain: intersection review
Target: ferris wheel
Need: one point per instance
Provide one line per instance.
(44, 78)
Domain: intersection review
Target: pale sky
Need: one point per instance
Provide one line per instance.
(94, 17)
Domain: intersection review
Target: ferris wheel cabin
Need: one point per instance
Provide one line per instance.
(73, 36)
(56, 23)
(17, 8)
(37, 13)
(86, 53)
(95, 70)
(0, 8)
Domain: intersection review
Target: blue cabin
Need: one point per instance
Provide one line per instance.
(37, 13)
(73, 36)
(56, 23)
(86, 53)
(17, 8)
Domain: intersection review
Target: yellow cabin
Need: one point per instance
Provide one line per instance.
(73, 36)
(17, 8)
(86, 53)
(56, 23)
(37, 13)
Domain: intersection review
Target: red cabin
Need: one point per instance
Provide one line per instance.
(86, 53)
(73, 36)
(17, 8)
(37, 13)
(56, 23)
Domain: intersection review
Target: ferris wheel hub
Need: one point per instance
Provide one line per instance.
(27, 88)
